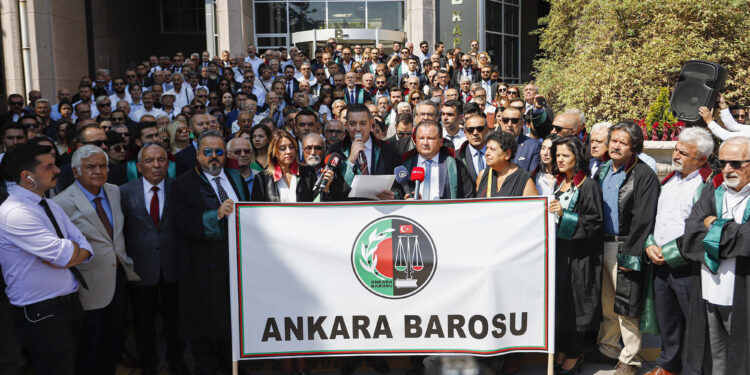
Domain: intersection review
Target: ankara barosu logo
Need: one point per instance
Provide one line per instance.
(394, 257)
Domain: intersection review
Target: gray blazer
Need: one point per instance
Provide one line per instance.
(101, 271)
(153, 249)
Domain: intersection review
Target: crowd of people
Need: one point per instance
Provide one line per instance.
(116, 199)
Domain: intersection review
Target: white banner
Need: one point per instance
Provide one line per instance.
(390, 278)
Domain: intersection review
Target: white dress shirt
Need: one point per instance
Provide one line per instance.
(224, 183)
(136, 115)
(28, 237)
(148, 194)
(458, 139)
(183, 96)
(255, 62)
(719, 288)
(675, 204)
(476, 157)
(287, 194)
(733, 129)
(114, 99)
(430, 188)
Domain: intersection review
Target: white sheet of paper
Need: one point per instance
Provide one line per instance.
(368, 186)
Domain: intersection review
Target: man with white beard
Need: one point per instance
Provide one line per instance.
(716, 237)
(673, 277)
(313, 149)
(240, 150)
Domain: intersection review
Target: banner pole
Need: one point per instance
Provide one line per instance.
(550, 364)
(235, 370)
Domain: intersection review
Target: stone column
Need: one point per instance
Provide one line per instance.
(12, 63)
(234, 26)
(420, 22)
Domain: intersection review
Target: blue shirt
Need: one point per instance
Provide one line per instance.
(105, 201)
(28, 237)
(611, 194)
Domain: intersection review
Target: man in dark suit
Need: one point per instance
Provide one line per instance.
(472, 151)
(445, 177)
(353, 93)
(150, 240)
(527, 153)
(185, 159)
(466, 70)
(292, 85)
(378, 157)
(203, 198)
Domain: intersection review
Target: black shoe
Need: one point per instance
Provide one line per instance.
(178, 367)
(576, 369)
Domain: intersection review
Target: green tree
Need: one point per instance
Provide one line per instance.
(611, 58)
(660, 111)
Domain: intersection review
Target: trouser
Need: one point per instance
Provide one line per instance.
(101, 333)
(48, 330)
(671, 293)
(10, 354)
(210, 354)
(719, 319)
(615, 326)
(147, 300)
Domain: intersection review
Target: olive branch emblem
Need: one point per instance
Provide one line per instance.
(367, 252)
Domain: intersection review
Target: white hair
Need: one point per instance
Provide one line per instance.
(745, 141)
(175, 74)
(231, 142)
(85, 152)
(700, 137)
(403, 105)
(147, 145)
(579, 113)
(601, 126)
(313, 135)
(465, 79)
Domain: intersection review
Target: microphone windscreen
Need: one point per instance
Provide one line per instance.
(417, 174)
(402, 175)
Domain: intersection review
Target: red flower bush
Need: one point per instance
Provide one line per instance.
(661, 131)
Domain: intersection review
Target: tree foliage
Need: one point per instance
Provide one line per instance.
(611, 58)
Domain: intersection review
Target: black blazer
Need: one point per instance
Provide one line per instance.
(265, 189)
(115, 176)
(185, 159)
(475, 76)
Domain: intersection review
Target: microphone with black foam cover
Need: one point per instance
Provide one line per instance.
(361, 155)
(332, 162)
(417, 175)
(402, 176)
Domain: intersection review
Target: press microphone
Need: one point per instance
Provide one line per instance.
(402, 176)
(361, 156)
(332, 162)
(417, 175)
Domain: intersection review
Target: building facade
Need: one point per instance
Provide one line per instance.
(48, 45)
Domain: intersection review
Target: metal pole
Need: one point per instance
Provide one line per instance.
(25, 45)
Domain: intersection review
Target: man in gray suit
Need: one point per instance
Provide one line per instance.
(150, 239)
(93, 206)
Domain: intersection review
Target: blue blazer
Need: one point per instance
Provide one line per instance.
(527, 153)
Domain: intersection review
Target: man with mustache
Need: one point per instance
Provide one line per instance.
(716, 238)
(630, 191)
(313, 149)
(673, 277)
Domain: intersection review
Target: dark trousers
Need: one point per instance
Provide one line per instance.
(671, 292)
(101, 333)
(48, 330)
(10, 354)
(147, 300)
(569, 342)
(212, 354)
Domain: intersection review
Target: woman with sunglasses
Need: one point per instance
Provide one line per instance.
(179, 135)
(502, 178)
(414, 98)
(260, 135)
(285, 180)
(578, 272)
(483, 59)
(500, 100)
(117, 148)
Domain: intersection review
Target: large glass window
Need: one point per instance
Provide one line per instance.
(271, 25)
(183, 16)
(503, 20)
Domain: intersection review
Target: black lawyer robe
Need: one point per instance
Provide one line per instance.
(734, 243)
(203, 255)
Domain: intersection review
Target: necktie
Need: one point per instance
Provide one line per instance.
(154, 210)
(289, 88)
(363, 170)
(51, 217)
(352, 98)
(103, 216)
(480, 160)
(222, 193)
(426, 191)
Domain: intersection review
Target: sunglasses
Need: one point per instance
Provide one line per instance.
(182, 130)
(310, 148)
(98, 143)
(735, 164)
(359, 71)
(243, 151)
(512, 92)
(120, 148)
(332, 131)
(509, 119)
(502, 90)
(103, 104)
(125, 134)
(209, 151)
(479, 129)
(404, 134)
(16, 103)
(196, 106)
(559, 128)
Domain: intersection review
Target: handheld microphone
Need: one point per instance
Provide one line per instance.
(402, 176)
(332, 162)
(361, 156)
(417, 175)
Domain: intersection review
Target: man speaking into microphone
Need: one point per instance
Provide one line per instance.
(365, 154)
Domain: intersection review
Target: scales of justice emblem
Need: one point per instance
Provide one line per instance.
(394, 257)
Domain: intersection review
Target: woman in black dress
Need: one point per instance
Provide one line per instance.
(578, 209)
(502, 178)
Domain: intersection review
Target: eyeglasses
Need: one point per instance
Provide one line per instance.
(479, 129)
(120, 148)
(404, 134)
(480, 96)
(209, 151)
(735, 164)
(359, 71)
(559, 128)
(124, 134)
(97, 143)
(510, 119)
(334, 131)
(119, 83)
(512, 92)
(310, 148)
(182, 130)
(103, 104)
(16, 103)
(502, 89)
(198, 106)
(118, 119)
(242, 151)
